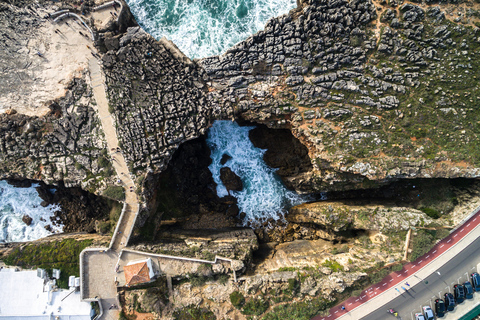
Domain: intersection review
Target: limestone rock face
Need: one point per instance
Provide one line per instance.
(237, 244)
(158, 96)
(336, 219)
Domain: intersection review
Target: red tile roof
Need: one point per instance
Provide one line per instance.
(136, 273)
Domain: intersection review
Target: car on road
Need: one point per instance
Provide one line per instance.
(419, 316)
(468, 290)
(428, 313)
(476, 281)
(449, 301)
(440, 307)
(459, 292)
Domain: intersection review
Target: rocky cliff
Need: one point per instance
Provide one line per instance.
(376, 92)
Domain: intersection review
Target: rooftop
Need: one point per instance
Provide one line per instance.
(23, 295)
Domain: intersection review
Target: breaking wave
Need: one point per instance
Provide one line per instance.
(263, 196)
(202, 28)
(17, 202)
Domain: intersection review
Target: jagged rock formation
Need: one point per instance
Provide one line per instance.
(67, 144)
(158, 96)
(372, 92)
(361, 97)
(205, 244)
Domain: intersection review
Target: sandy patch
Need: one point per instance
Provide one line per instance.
(50, 57)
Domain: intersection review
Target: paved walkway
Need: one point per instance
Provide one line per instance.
(99, 276)
(378, 295)
(131, 199)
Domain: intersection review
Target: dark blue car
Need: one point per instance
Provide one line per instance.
(468, 289)
(476, 281)
(459, 292)
(449, 301)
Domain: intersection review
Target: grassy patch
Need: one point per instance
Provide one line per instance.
(193, 313)
(63, 255)
(116, 193)
(237, 299)
(255, 306)
(425, 240)
(332, 265)
(304, 310)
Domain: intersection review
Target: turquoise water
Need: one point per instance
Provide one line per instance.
(264, 196)
(202, 28)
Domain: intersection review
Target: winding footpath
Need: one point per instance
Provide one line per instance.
(380, 294)
(98, 265)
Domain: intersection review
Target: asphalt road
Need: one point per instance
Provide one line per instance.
(424, 294)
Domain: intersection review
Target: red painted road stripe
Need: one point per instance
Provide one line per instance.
(419, 264)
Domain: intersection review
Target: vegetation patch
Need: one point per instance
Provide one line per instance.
(255, 306)
(237, 299)
(304, 310)
(332, 265)
(425, 240)
(193, 313)
(63, 255)
(114, 192)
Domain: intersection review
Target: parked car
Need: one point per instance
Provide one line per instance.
(459, 293)
(440, 307)
(419, 316)
(449, 301)
(476, 281)
(468, 290)
(428, 313)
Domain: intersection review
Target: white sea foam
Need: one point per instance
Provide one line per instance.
(17, 202)
(202, 28)
(263, 196)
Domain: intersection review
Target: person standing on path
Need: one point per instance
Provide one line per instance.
(398, 290)
(407, 284)
(404, 288)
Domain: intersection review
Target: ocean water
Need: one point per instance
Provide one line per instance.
(202, 28)
(17, 202)
(263, 196)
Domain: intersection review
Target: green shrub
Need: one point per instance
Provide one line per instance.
(356, 293)
(432, 213)
(237, 299)
(198, 281)
(102, 162)
(304, 310)
(223, 278)
(193, 313)
(421, 244)
(332, 265)
(255, 307)
(116, 193)
(397, 267)
(104, 227)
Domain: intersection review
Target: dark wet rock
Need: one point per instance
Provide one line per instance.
(27, 219)
(20, 183)
(230, 180)
(224, 159)
(284, 151)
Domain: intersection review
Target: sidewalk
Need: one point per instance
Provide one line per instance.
(378, 295)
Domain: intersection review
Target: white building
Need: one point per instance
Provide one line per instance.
(24, 295)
